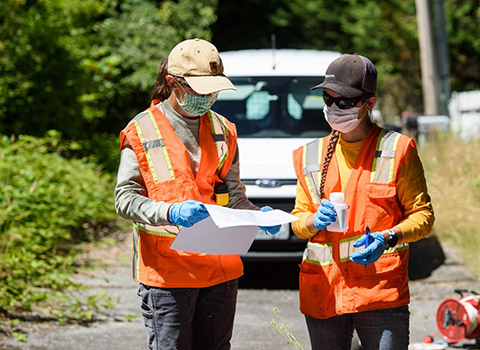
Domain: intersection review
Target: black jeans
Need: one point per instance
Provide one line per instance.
(189, 318)
(386, 329)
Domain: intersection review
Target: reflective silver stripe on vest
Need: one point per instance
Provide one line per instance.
(384, 161)
(136, 244)
(155, 150)
(347, 248)
(318, 253)
(153, 144)
(220, 136)
(312, 153)
(321, 253)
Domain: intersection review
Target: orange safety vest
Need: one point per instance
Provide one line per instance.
(331, 284)
(165, 166)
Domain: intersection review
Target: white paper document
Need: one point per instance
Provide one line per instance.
(227, 231)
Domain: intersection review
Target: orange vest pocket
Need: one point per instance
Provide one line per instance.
(317, 294)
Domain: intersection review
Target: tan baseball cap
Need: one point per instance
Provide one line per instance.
(199, 63)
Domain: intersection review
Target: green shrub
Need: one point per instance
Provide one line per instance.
(48, 204)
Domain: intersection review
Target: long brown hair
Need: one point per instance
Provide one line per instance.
(330, 149)
(161, 90)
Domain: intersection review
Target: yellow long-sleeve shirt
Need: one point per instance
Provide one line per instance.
(411, 190)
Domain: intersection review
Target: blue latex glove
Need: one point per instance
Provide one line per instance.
(375, 248)
(270, 229)
(187, 213)
(325, 215)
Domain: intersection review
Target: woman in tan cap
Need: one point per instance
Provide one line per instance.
(354, 274)
(177, 156)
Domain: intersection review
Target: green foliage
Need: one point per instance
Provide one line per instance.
(47, 204)
(86, 67)
(463, 31)
(40, 81)
(128, 48)
(384, 31)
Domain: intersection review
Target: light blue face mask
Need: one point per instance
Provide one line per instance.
(196, 105)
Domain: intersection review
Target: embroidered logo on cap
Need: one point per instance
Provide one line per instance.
(214, 68)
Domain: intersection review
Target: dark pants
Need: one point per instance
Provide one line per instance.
(386, 329)
(189, 318)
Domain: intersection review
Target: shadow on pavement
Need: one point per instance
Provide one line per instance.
(426, 255)
(270, 275)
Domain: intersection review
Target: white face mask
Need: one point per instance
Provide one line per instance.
(343, 120)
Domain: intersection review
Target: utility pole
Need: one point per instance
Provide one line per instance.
(442, 54)
(433, 56)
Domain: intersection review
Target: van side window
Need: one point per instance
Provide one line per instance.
(258, 105)
(293, 107)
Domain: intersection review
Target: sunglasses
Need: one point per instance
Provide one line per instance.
(182, 82)
(342, 102)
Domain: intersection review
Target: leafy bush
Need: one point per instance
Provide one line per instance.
(47, 204)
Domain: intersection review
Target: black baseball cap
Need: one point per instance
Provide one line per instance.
(350, 76)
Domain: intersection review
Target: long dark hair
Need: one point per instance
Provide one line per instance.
(161, 90)
(330, 149)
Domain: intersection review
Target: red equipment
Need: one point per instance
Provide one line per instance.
(458, 319)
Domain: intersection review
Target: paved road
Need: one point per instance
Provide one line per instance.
(436, 272)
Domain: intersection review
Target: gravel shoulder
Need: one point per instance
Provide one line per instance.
(436, 272)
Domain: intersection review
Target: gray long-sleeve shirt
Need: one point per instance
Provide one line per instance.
(131, 201)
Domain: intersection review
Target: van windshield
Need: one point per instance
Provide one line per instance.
(274, 107)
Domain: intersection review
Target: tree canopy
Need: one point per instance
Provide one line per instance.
(384, 31)
(85, 67)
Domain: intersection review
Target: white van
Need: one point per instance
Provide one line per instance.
(275, 112)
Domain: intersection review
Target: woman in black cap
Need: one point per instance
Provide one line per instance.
(354, 274)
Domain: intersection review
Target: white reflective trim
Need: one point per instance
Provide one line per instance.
(347, 248)
(318, 253)
(383, 163)
(312, 153)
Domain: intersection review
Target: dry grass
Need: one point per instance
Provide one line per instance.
(452, 169)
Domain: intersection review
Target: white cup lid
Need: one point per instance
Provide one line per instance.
(337, 197)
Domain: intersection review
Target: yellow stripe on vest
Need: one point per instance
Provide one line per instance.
(163, 230)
